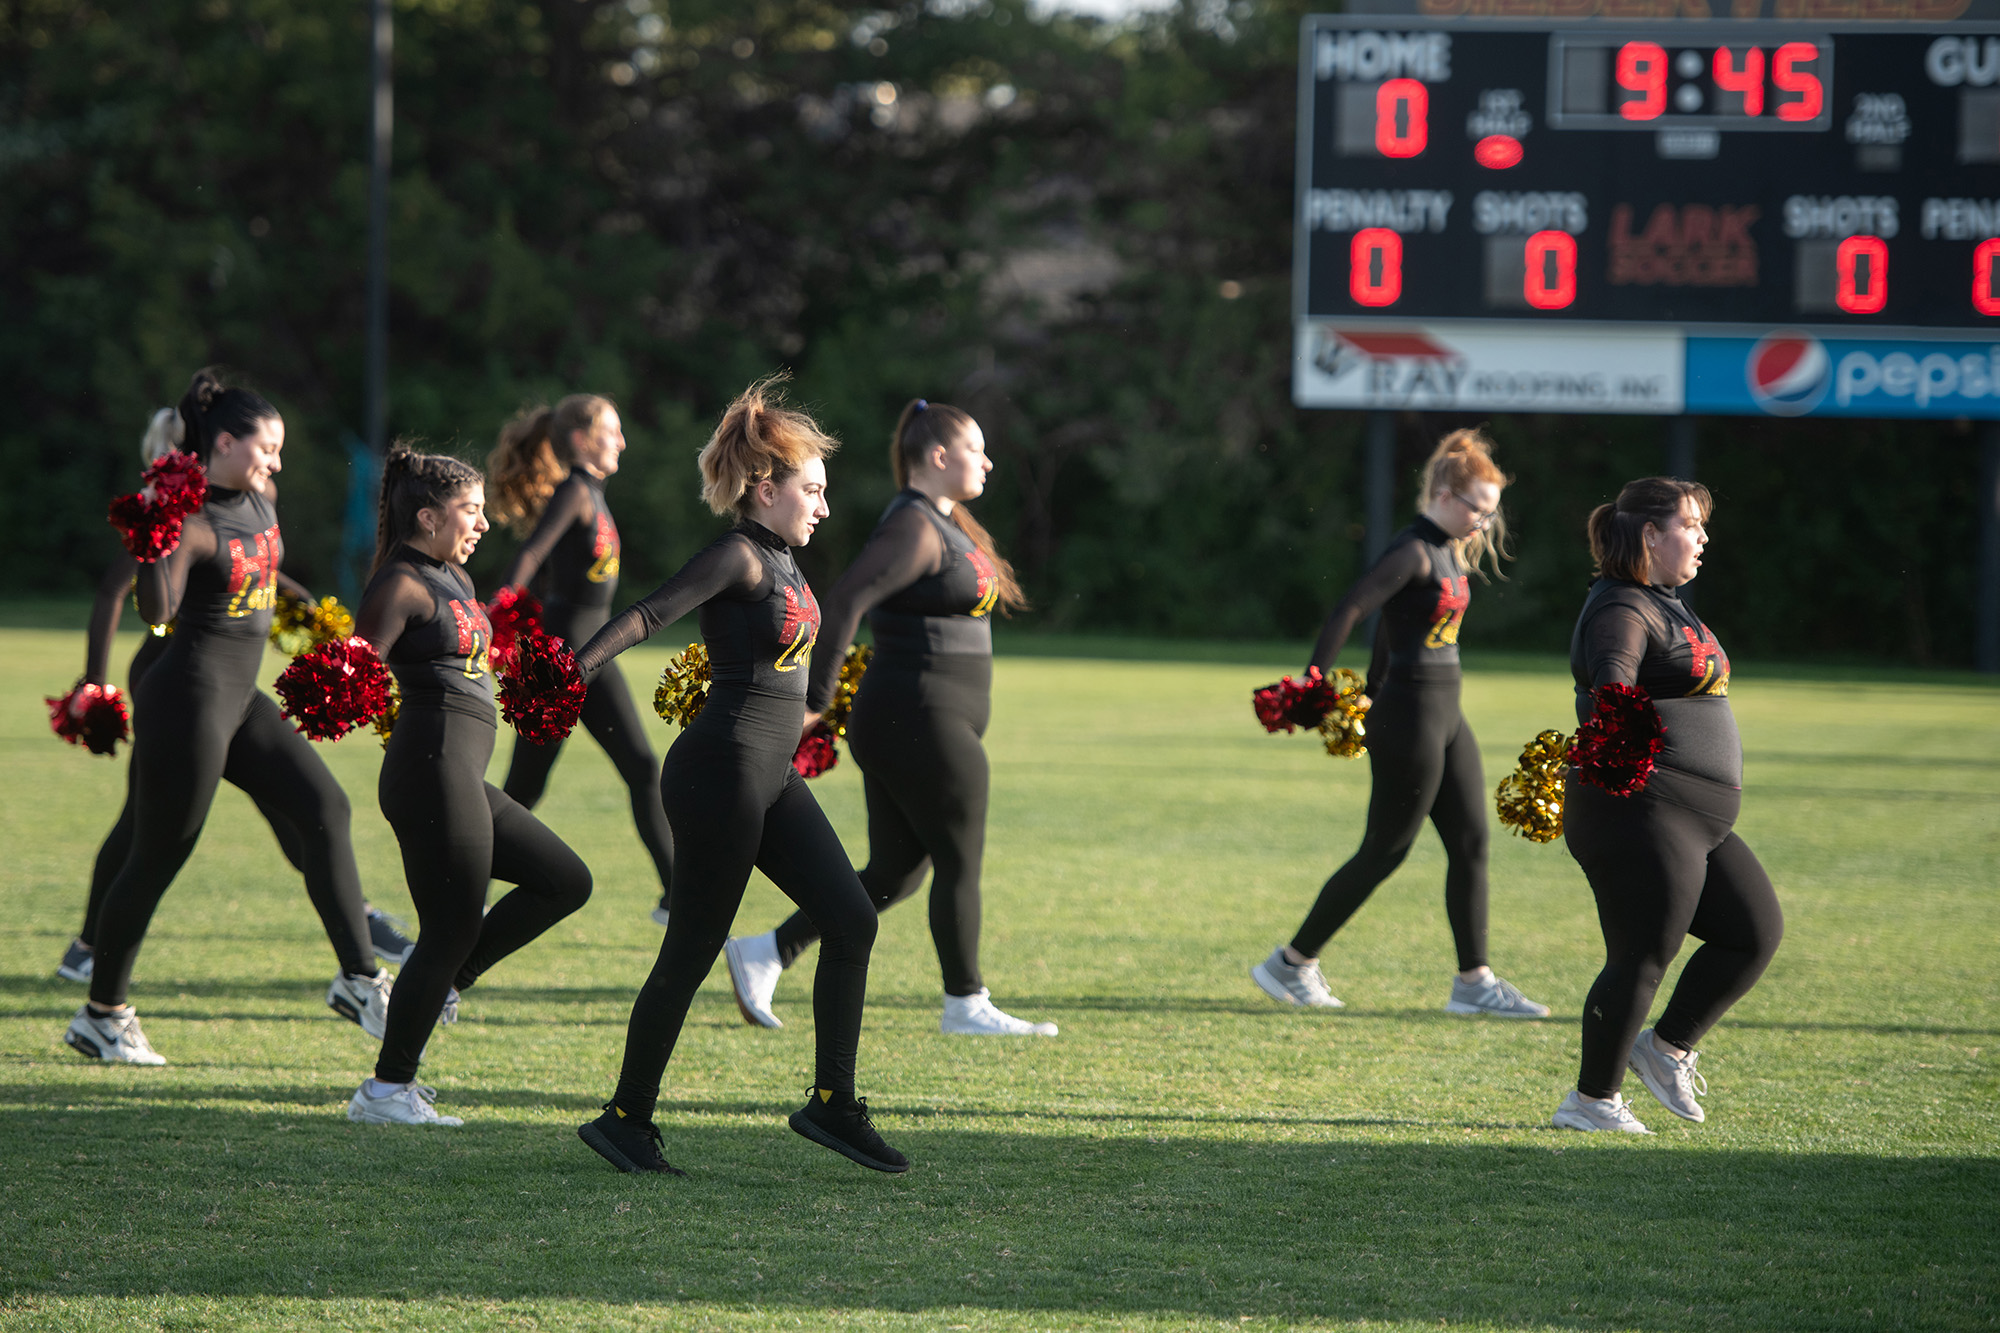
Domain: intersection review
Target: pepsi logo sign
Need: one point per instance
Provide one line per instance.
(1788, 373)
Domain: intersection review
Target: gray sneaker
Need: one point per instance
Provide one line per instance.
(77, 962)
(1492, 996)
(1675, 1082)
(1302, 986)
(1580, 1112)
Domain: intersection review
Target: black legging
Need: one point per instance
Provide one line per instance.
(201, 721)
(1663, 865)
(735, 802)
(916, 737)
(457, 832)
(118, 843)
(613, 722)
(1425, 765)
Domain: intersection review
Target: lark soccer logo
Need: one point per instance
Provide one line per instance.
(1788, 374)
(1394, 366)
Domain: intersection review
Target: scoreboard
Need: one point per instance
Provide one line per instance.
(1700, 216)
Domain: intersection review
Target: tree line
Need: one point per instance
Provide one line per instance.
(1080, 232)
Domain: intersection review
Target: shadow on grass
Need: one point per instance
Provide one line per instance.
(1663, 1234)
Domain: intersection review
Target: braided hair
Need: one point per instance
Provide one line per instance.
(209, 409)
(412, 482)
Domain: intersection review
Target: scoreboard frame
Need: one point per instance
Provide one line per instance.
(1388, 344)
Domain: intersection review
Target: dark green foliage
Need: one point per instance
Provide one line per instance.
(1081, 234)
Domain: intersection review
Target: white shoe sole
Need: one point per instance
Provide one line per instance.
(1461, 1007)
(361, 1117)
(740, 984)
(1272, 987)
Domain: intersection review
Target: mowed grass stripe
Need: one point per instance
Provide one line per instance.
(1185, 1154)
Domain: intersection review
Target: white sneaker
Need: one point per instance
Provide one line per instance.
(974, 1016)
(449, 1014)
(1303, 986)
(1581, 1112)
(1675, 1082)
(363, 1000)
(1493, 996)
(660, 912)
(407, 1105)
(754, 970)
(112, 1038)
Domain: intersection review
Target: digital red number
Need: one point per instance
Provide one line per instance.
(1985, 294)
(1861, 275)
(1550, 283)
(1642, 69)
(1375, 272)
(1812, 96)
(1402, 118)
(1748, 80)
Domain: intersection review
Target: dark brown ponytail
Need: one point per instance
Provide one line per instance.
(924, 426)
(411, 482)
(1618, 531)
(209, 409)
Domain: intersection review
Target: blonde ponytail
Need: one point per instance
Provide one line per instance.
(1460, 459)
(758, 439)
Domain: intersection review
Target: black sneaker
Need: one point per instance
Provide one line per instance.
(628, 1144)
(386, 935)
(78, 960)
(842, 1124)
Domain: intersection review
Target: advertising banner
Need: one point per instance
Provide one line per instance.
(1796, 373)
(1481, 367)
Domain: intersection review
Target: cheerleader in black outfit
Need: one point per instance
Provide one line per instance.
(731, 792)
(456, 830)
(928, 581)
(199, 718)
(391, 946)
(549, 471)
(1665, 863)
(1421, 753)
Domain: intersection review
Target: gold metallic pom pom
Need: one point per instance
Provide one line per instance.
(1345, 729)
(385, 721)
(683, 687)
(852, 668)
(297, 626)
(1530, 799)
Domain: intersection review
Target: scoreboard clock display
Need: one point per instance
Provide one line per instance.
(1627, 186)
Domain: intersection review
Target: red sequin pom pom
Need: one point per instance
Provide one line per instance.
(542, 693)
(334, 688)
(816, 753)
(149, 519)
(92, 716)
(513, 612)
(1290, 704)
(1614, 748)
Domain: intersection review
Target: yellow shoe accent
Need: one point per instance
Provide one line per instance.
(618, 1111)
(825, 1094)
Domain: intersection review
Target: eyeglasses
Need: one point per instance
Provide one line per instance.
(1481, 518)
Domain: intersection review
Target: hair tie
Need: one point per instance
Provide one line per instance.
(923, 406)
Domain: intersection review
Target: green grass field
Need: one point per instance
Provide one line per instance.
(1186, 1154)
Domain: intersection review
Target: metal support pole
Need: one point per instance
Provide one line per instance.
(1986, 610)
(381, 126)
(1680, 447)
(1381, 481)
(1381, 437)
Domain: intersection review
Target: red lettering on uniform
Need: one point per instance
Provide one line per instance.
(253, 573)
(800, 628)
